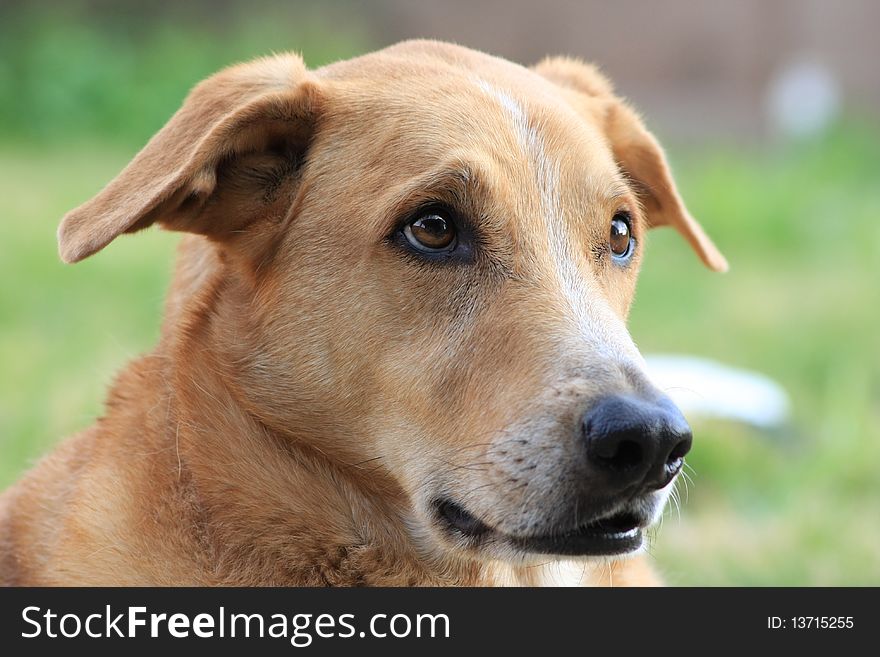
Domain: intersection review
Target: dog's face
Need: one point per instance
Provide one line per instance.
(434, 252)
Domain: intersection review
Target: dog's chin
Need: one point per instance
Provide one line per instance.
(613, 534)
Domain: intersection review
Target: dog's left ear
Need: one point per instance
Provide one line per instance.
(637, 152)
(219, 163)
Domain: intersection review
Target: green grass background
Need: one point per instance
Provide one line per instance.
(800, 224)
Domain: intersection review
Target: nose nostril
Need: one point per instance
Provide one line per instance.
(678, 452)
(626, 456)
(675, 460)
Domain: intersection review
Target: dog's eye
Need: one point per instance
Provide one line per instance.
(621, 240)
(431, 232)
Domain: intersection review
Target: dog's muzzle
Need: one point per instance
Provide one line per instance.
(632, 449)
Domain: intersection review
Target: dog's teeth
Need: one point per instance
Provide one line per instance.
(627, 534)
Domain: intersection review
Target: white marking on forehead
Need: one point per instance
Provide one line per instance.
(526, 135)
(595, 321)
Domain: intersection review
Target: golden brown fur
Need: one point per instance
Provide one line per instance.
(313, 388)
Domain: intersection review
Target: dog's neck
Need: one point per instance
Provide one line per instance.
(269, 508)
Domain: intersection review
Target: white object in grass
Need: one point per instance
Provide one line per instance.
(704, 388)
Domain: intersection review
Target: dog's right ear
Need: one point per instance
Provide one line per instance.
(636, 150)
(240, 132)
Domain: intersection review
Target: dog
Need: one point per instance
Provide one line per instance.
(394, 350)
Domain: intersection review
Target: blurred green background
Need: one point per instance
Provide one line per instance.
(83, 85)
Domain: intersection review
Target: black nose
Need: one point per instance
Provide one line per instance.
(633, 441)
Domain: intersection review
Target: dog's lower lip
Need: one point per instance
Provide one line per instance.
(617, 534)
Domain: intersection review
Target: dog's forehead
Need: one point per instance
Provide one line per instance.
(438, 81)
(436, 99)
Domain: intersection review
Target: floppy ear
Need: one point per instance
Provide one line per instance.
(637, 152)
(215, 164)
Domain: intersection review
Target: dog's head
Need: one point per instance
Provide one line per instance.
(431, 254)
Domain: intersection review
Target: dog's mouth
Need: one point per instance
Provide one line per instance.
(615, 534)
